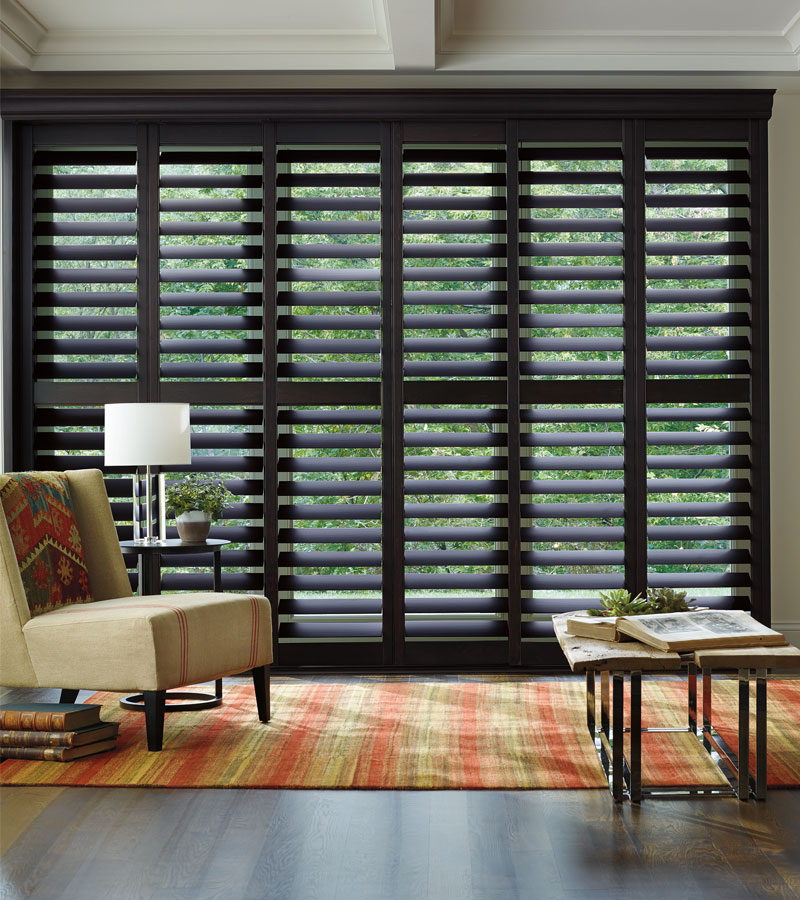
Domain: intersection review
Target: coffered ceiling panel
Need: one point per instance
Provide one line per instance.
(404, 36)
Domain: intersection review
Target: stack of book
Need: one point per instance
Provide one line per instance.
(693, 630)
(57, 732)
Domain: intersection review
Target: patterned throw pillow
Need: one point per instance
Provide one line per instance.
(44, 531)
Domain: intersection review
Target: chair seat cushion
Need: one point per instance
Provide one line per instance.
(150, 643)
(47, 543)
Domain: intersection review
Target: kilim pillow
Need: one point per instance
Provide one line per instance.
(44, 531)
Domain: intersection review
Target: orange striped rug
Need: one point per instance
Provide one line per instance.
(490, 734)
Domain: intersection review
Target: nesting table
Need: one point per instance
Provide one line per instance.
(616, 661)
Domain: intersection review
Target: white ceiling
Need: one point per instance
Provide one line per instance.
(403, 36)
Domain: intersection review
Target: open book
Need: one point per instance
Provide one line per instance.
(681, 631)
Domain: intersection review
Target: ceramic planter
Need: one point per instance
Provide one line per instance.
(193, 526)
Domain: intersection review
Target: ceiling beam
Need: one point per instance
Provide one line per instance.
(412, 31)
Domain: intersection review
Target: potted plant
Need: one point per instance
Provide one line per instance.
(658, 600)
(194, 501)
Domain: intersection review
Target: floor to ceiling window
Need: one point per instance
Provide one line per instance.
(460, 371)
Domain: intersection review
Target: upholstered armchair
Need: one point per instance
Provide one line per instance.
(68, 618)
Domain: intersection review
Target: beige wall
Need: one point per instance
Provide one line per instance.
(784, 369)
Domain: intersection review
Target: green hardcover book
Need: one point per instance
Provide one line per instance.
(100, 732)
(56, 754)
(48, 716)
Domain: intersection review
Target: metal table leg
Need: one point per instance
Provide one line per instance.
(692, 683)
(605, 721)
(618, 736)
(743, 790)
(707, 709)
(761, 735)
(635, 761)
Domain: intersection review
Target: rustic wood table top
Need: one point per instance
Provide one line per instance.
(625, 656)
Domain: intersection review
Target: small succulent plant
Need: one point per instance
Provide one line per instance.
(620, 603)
(668, 600)
(658, 600)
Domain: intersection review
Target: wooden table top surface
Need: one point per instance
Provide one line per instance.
(624, 656)
(627, 656)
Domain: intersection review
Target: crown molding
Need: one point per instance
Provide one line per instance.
(381, 105)
(617, 53)
(206, 50)
(20, 34)
(792, 35)
(200, 49)
(573, 50)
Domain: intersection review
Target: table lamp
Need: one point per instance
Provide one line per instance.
(148, 434)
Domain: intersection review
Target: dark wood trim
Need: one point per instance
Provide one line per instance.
(24, 315)
(635, 358)
(392, 400)
(148, 302)
(11, 286)
(250, 393)
(514, 524)
(269, 385)
(759, 379)
(148, 264)
(463, 105)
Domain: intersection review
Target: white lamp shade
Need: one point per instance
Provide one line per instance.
(147, 434)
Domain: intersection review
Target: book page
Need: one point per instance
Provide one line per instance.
(705, 624)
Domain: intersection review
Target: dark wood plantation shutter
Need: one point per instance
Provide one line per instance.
(459, 373)
(328, 360)
(454, 313)
(210, 286)
(84, 285)
(571, 321)
(699, 317)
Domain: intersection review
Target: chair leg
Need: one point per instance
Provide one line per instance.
(261, 686)
(154, 706)
(68, 695)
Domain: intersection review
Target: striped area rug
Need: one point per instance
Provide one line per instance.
(490, 734)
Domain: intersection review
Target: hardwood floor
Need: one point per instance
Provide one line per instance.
(139, 844)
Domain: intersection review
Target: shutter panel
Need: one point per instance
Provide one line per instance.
(211, 264)
(698, 329)
(227, 443)
(85, 258)
(85, 255)
(454, 316)
(571, 261)
(211, 285)
(571, 329)
(329, 468)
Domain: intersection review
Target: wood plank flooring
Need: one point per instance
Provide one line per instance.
(139, 844)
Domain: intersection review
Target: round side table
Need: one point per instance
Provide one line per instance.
(147, 552)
